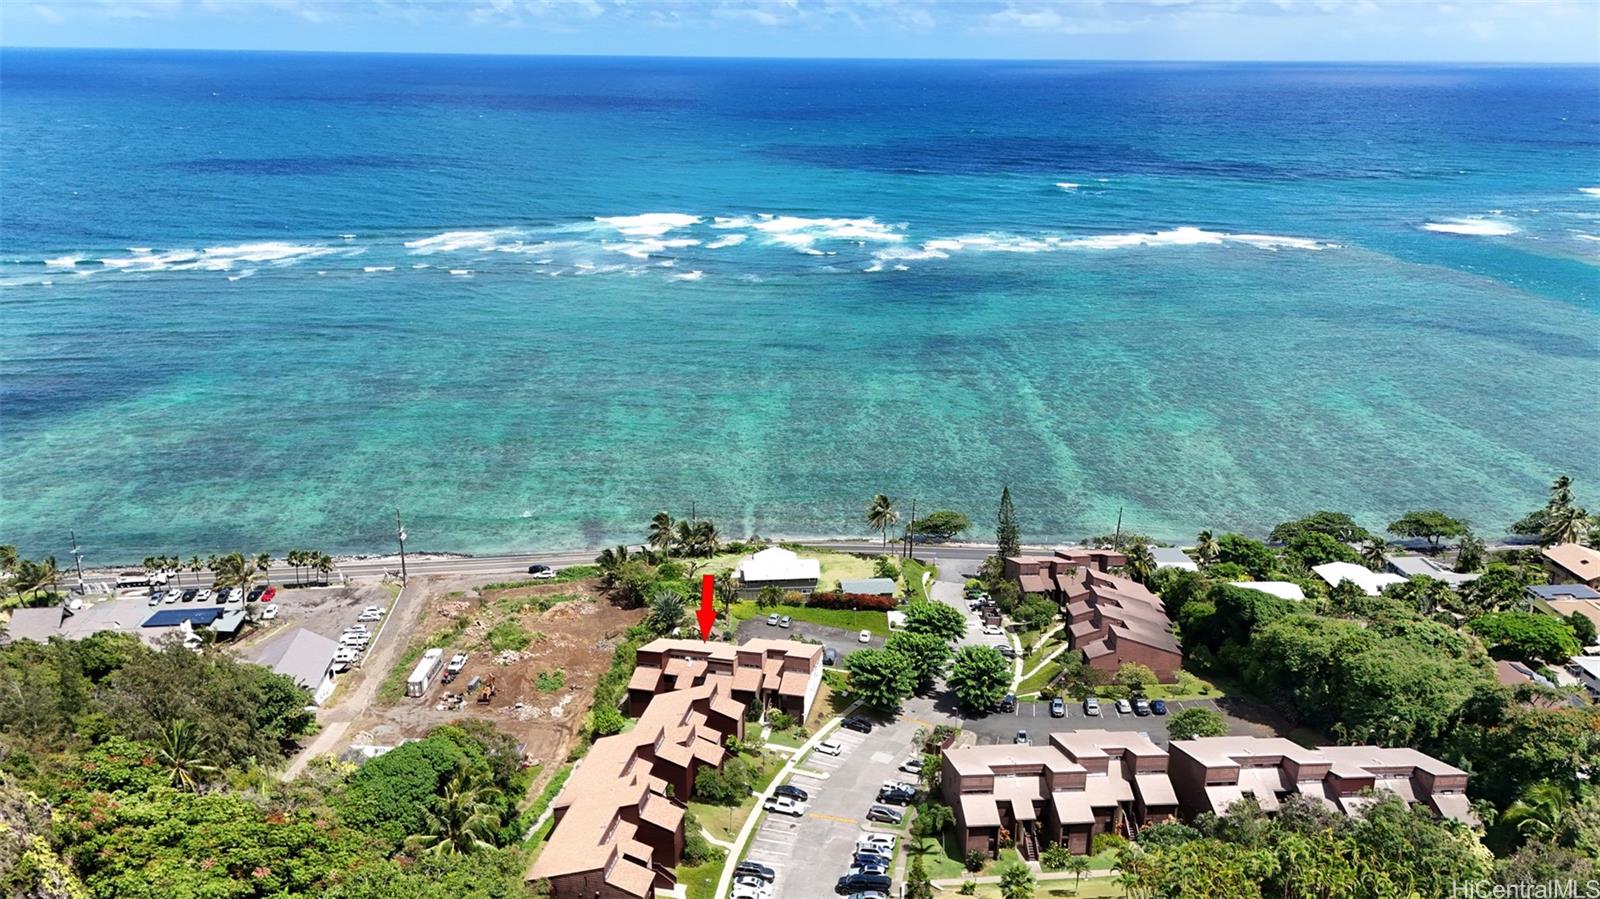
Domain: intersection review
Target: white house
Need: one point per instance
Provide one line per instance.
(778, 567)
(1280, 589)
(1172, 557)
(1371, 582)
(1587, 668)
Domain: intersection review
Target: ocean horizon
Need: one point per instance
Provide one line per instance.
(256, 300)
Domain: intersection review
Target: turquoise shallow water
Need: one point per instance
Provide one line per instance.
(255, 301)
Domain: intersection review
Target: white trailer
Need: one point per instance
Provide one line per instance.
(422, 675)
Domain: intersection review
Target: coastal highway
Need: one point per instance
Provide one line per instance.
(513, 564)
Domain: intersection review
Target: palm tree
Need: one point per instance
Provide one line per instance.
(706, 538)
(462, 819)
(1016, 881)
(1375, 553)
(1469, 553)
(933, 818)
(1566, 524)
(1538, 813)
(1079, 866)
(1206, 548)
(610, 562)
(8, 559)
(181, 754)
(880, 515)
(49, 573)
(684, 536)
(1560, 493)
(661, 534)
(324, 566)
(1141, 562)
(196, 566)
(235, 570)
(264, 562)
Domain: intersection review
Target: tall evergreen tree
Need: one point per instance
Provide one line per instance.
(1006, 533)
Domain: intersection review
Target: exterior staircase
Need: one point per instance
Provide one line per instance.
(1028, 846)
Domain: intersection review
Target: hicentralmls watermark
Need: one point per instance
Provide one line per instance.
(1545, 889)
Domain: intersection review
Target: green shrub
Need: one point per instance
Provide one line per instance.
(780, 720)
(1055, 857)
(607, 721)
(508, 635)
(975, 861)
(1106, 842)
(551, 681)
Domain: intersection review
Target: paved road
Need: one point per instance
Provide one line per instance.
(517, 563)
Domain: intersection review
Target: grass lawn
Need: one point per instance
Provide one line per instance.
(940, 863)
(911, 570)
(850, 620)
(1189, 686)
(1040, 651)
(1033, 683)
(723, 822)
(787, 738)
(700, 881)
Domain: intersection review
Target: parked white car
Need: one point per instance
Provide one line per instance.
(783, 805)
(205, 595)
(370, 615)
(865, 637)
(830, 747)
(871, 839)
(993, 630)
(270, 612)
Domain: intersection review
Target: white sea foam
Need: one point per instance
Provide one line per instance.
(419, 265)
(649, 224)
(944, 247)
(1471, 227)
(644, 249)
(688, 276)
(461, 272)
(453, 241)
(63, 261)
(1591, 191)
(369, 269)
(1581, 236)
(347, 237)
(1067, 185)
(242, 275)
(730, 240)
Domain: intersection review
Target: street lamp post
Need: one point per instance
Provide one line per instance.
(400, 531)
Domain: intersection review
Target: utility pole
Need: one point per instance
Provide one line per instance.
(910, 530)
(77, 555)
(1116, 542)
(400, 531)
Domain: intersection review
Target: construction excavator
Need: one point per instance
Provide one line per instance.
(486, 689)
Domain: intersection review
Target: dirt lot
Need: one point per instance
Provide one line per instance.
(573, 638)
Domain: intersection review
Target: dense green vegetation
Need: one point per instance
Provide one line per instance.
(1412, 667)
(136, 772)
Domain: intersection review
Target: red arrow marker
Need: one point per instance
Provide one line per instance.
(706, 615)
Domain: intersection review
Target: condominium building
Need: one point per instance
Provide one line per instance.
(1083, 783)
(781, 674)
(1212, 773)
(1110, 619)
(618, 830)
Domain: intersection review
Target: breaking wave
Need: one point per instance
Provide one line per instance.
(1471, 227)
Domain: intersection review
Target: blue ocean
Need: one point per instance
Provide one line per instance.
(256, 301)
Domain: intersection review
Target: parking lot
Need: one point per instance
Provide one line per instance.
(1034, 717)
(812, 851)
(843, 641)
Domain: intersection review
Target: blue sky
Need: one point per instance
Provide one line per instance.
(1398, 30)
